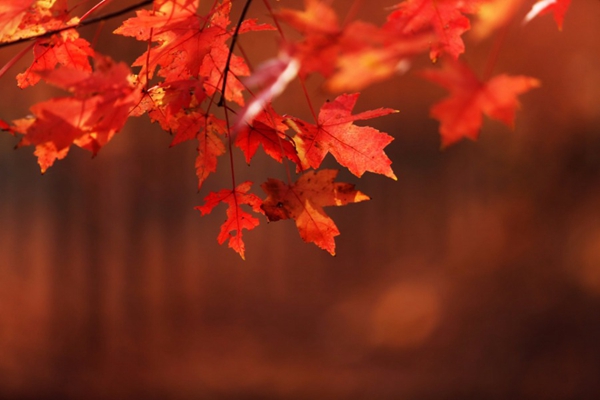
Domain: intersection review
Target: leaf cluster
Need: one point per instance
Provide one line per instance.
(197, 85)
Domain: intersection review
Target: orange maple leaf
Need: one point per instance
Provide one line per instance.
(370, 54)
(494, 14)
(303, 201)
(353, 55)
(460, 114)
(237, 219)
(358, 148)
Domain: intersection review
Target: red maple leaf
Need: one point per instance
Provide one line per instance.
(445, 17)
(189, 45)
(237, 219)
(318, 49)
(176, 107)
(5, 126)
(351, 56)
(97, 110)
(557, 7)
(208, 130)
(461, 113)
(358, 148)
(168, 100)
(182, 39)
(212, 70)
(303, 201)
(268, 129)
(65, 48)
(317, 18)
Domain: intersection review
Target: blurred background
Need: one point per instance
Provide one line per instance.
(476, 275)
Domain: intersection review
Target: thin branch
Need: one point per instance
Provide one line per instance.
(80, 25)
(14, 60)
(231, 47)
(275, 20)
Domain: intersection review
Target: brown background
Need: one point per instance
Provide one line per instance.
(476, 275)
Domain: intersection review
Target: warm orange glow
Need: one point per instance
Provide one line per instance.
(405, 315)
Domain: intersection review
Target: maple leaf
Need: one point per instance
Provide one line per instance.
(213, 68)
(237, 219)
(11, 14)
(303, 201)
(176, 107)
(189, 45)
(359, 148)
(5, 126)
(352, 56)
(28, 18)
(319, 25)
(318, 17)
(97, 110)
(557, 7)
(208, 130)
(445, 17)
(370, 54)
(65, 48)
(268, 129)
(214, 63)
(461, 113)
(494, 14)
(182, 43)
(166, 101)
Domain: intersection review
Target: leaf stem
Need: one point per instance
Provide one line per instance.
(310, 106)
(101, 4)
(230, 145)
(494, 53)
(270, 9)
(148, 59)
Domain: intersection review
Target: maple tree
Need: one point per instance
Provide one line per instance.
(196, 85)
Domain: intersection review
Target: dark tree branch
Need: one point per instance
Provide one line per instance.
(231, 47)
